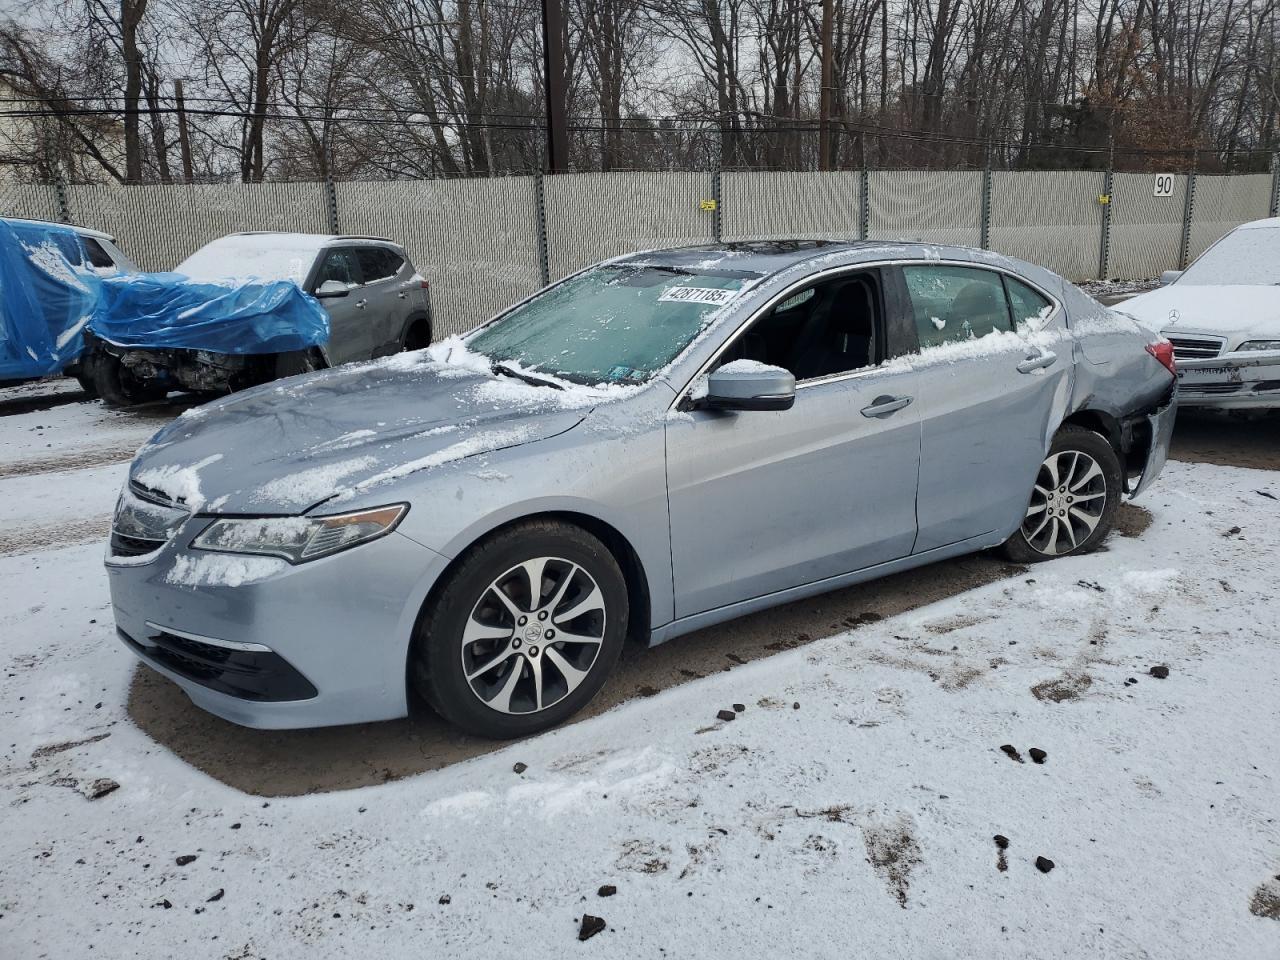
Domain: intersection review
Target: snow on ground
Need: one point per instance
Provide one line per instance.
(848, 811)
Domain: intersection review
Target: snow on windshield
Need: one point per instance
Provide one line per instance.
(1244, 257)
(276, 256)
(615, 324)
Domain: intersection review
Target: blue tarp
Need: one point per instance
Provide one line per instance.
(170, 310)
(44, 300)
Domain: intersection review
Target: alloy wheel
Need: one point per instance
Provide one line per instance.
(533, 636)
(1067, 503)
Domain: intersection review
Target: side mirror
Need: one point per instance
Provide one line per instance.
(1169, 276)
(747, 385)
(331, 288)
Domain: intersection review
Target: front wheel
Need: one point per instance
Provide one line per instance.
(116, 384)
(1074, 500)
(523, 633)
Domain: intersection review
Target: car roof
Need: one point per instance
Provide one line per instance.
(318, 240)
(1270, 223)
(766, 257)
(83, 231)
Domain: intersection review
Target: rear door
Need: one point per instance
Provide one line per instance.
(993, 386)
(350, 337)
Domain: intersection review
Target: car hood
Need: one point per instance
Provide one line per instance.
(285, 447)
(1226, 311)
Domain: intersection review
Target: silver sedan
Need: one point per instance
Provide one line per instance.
(657, 443)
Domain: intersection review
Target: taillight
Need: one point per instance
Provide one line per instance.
(426, 285)
(1162, 350)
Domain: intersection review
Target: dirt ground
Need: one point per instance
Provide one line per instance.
(276, 763)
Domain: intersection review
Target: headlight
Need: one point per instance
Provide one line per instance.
(298, 539)
(141, 519)
(1260, 345)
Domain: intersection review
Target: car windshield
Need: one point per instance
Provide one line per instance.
(613, 324)
(1243, 257)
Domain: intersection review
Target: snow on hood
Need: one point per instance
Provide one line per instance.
(284, 447)
(1246, 310)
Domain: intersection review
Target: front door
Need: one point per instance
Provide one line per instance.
(761, 501)
(350, 336)
(989, 396)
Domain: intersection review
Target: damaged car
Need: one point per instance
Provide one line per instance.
(1222, 315)
(660, 442)
(252, 307)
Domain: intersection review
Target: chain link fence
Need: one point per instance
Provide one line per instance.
(485, 243)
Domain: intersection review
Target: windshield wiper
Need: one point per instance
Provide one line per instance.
(506, 371)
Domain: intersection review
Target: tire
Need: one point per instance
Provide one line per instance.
(115, 384)
(479, 666)
(418, 336)
(1062, 517)
(87, 385)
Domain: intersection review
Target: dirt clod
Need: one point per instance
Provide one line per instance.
(739, 707)
(1011, 751)
(590, 926)
(1266, 900)
(1037, 755)
(1002, 841)
(445, 900)
(520, 767)
(1044, 864)
(726, 715)
(1160, 672)
(1067, 687)
(100, 788)
(186, 858)
(608, 890)
(217, 895)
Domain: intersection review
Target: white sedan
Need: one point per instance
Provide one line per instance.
(1222, 315)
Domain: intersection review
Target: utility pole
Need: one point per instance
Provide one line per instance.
(824, 98)
(553, 43)
(184, 138)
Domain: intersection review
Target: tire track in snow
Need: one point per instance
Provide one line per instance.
(34, 539)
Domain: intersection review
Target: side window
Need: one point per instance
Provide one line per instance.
(377, 263)
(955, 303)
(97, 256)
(1028, 305)
(340, 264)
(826, 329)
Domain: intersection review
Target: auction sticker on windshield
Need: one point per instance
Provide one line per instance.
(697, 295)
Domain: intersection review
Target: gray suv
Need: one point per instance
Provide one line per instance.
(655, 444)
(378, 304)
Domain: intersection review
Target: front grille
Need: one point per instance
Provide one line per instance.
(122, 546)
(1214, 388)
(1195, 348)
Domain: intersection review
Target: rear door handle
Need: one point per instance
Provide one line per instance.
(1037, 362)
(884, 405)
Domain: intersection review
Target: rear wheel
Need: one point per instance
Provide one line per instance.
(1074, 500)
(417, 336)
(116, 384)
(524, 631)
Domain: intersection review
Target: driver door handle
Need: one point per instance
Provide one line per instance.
(884, 405)
(1037, 362)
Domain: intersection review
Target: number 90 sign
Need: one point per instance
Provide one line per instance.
(1164, 185)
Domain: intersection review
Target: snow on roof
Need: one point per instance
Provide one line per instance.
(83, 231)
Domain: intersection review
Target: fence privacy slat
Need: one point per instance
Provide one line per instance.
(1225, 202)
(1052, 218)
(474, 240)
(939, 206)
(790, 206)
(1146, 230)
(591, 216)
(30, 201)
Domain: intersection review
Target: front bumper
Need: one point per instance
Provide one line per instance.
(1159, 424)
(316, 644)
(1248, 380)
